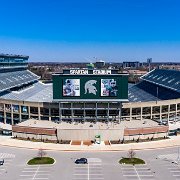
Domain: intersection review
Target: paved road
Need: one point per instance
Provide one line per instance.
(102, 165)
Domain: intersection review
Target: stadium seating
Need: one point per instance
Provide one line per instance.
(146, 91)
(24, 86)
(16, 78)
(166, 78)
(36, 92)
(136, 94)
(159, 84)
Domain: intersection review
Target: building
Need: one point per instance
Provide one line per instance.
(131, 64)
(15, 61)
(82, 95)
(100, 64)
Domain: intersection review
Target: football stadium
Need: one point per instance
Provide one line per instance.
(86, 104)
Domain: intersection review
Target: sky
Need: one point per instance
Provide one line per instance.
(86, 30)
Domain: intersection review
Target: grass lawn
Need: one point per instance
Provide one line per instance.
(132, 161)
(39, 161)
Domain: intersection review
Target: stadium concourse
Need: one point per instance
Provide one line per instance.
(153, 103)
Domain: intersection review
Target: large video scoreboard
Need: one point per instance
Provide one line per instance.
(90, 85)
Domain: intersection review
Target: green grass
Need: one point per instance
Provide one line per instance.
(132, 161)
(39, 161)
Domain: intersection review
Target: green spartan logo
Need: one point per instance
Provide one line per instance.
(90, 88)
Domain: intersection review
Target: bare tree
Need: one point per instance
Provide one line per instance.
(131, 153)
(41, 153)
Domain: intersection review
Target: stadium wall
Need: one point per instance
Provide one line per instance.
(58, 135)
(89, 134)
(155, 110)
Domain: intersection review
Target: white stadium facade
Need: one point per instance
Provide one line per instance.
(23, 97)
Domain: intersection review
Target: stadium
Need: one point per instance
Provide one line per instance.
(84, 104)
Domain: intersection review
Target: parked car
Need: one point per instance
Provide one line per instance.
(1, 162)
(172, 133)
(81, 161)
(163, 123)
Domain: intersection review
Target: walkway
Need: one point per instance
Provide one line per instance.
(7, 141)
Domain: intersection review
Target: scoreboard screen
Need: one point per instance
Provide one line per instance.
(90, 87)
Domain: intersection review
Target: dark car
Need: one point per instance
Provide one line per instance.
(81, 161)
(172, 132)
(1, 162)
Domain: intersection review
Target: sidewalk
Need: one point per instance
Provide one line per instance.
(7, 141)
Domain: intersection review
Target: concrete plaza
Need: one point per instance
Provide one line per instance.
(172, 142)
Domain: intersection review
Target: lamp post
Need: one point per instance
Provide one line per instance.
(157, 94)
(178, 158)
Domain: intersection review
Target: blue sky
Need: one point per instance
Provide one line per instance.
(78, 30)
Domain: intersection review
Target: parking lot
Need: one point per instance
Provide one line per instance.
(92, 170)
(160, 164)
(171, 164)
(139, 172)
(40, 172)
(174, 170)
(7, 162)
(170, 157)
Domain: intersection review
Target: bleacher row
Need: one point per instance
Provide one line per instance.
(145, 91)
(136, 94)
(158, 91)
(45, 95)
(166, 78)
(37, 92)
(157, 85)
(12, 79)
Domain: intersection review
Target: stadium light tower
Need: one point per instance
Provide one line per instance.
(149, 61)
(157, 94)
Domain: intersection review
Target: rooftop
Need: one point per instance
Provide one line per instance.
(13, 56)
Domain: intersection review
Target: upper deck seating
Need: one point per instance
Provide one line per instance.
(12, 79)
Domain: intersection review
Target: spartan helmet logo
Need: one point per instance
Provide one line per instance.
(89, 87)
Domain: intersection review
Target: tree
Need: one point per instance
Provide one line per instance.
(131, 153)
(41, 153)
